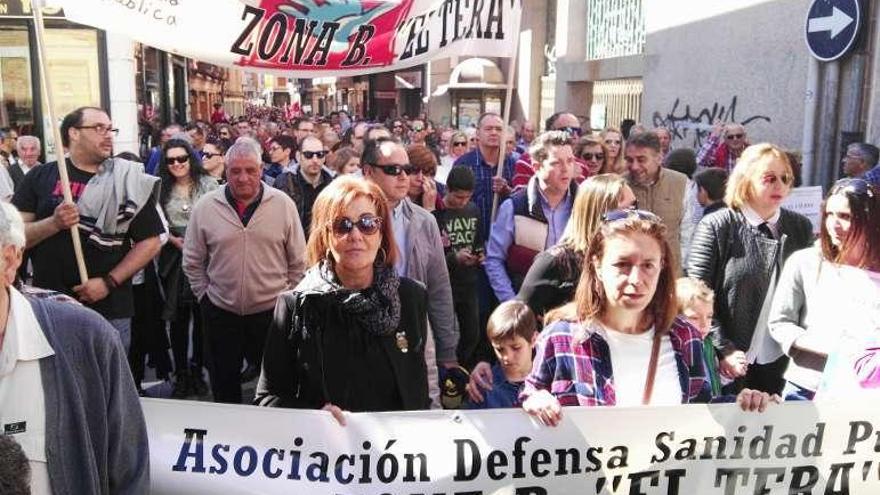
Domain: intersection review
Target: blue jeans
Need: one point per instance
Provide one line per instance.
(123, 326)
(796, 392)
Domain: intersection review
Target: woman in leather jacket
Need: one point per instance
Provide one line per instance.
(739, 252)
(351, 335)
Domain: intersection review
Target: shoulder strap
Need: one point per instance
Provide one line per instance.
(652, 369)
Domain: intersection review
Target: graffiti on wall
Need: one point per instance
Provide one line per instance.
(692, 125)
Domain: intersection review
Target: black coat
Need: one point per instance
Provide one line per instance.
(550, 282)
(308, 366)
(736, 261)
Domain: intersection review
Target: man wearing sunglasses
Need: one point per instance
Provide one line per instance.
(386, 163)
(113, 251)
(561, 121)
(723, 146)
(308, 180)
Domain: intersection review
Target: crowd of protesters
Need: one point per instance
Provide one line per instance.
(358, 266)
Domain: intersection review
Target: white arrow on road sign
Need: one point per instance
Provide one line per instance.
(836, 22)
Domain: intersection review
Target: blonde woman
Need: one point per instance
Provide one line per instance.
(739, 252)
(612, 138)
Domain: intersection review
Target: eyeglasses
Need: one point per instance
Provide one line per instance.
(593, 156)
(367, 225)
(308, 155)
(418, 129)
(208, 155)
(459, 143)
(856, 186)
(395, 170)
(100, 129)
(571, 131)
(171, 160)
(731, 137)
(617, 215)
(771, 179)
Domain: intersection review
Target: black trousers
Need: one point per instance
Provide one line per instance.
(180, 338)
(229, 338)
(148, 337)
(764, 377)
(467, 311)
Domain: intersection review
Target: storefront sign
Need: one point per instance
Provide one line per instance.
(310, 38)
(792, 448)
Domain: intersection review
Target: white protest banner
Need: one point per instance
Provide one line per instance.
(794, 448)
(310, 38)
(808, 202)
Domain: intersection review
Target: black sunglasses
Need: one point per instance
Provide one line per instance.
(856, 186)
(459, 143)
(367, 225)
(735, 136)
(395, 170)
(311, 154)
(616, 215)
(171, 160)
(206, 155)
(593, 156)
(571, 131)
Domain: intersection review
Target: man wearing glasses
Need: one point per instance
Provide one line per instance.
(386, 163)
(306, 181)
(115, 246)
(723, 146)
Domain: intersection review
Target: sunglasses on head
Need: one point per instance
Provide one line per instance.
(171, 160)
(308, 155)
(771, 179)
(617, 215)
(367, 225)
(395, 170)
(593, 156)
(855, 186)
(735, 136)
(571, 131)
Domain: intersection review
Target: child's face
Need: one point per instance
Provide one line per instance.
(515, 355)
(456, 199)
(699, 314)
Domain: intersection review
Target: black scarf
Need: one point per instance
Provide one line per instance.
(376, 308)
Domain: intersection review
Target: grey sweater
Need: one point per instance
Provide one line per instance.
(96, 438)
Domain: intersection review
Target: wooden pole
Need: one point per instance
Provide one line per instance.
(48, 101)
(511, 72)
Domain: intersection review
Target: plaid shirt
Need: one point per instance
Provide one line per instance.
(873, 176)
(573, 362)
(707, 155)
(483, 173)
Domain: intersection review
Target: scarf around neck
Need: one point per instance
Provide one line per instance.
(376, 308)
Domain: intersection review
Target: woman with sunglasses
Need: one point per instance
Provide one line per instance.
(805, 304)
(613, 140)
(423, 189)
(593, 153)
(351, 335)
(458, 145)
(184, 181)
(620, 342)
(739, 252)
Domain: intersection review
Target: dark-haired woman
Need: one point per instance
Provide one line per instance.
(184, 181)
(805, 315)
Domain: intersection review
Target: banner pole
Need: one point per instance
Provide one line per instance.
(49, 103)
(511, 72)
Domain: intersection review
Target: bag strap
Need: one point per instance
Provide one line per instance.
(652, 369)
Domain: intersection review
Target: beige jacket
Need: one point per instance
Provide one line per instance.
(243, 269)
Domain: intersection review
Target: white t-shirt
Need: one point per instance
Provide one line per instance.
(630, 357)
(23, 415)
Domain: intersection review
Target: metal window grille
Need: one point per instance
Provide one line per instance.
(622, 99)
(615, 28)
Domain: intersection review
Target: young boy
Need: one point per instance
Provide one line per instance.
(512, 330)
(459, 223)
(711, 183)
(696, 303)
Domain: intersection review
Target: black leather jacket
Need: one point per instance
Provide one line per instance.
(737, 262)
(308, 366)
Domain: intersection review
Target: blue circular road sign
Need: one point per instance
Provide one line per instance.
(832, 27)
